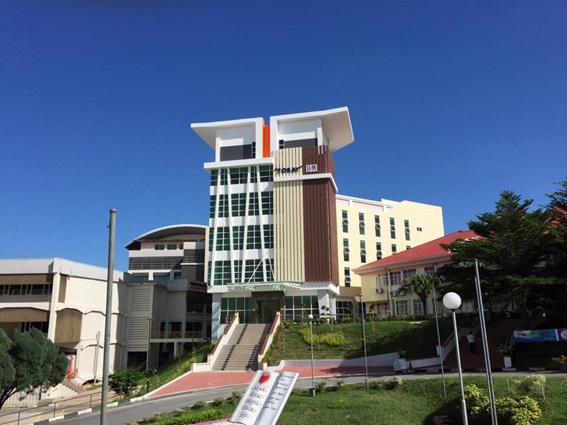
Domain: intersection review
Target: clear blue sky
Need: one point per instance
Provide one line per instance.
(451, 102)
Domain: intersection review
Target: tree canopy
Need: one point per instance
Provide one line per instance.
(27, 361)
(422, 285)
(521, 250)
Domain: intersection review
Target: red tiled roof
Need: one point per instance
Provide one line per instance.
(428, 250)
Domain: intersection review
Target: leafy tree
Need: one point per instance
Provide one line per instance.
(27, 361)
(557, 212)
(125, 381)
(518, 250)
(422, 285)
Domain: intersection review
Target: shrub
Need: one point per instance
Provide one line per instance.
(319, 386)
(332, 339)
(375, 385)
(236, 396)
(526, 411)
(123, 382)
(219, 401)
(477, 402)
(198, 405)
(393, 383)
(193, 418)
(532, 384)
(340, 382)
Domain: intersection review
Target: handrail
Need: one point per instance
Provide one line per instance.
(270, 337)
(229, 330)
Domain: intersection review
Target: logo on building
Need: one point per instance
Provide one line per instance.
(311, 168)
(287, 170)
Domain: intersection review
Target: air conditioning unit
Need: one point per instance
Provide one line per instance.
(379, 290)
(394, 293)
(401, 292)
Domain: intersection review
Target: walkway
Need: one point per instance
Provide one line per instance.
(201, 380)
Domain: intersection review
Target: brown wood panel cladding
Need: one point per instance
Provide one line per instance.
(68, 329)
(320, 221)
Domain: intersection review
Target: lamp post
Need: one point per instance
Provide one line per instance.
(452, 301)
(364, 339)
(312, 358)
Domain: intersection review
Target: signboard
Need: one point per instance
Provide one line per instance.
(311, 168)
(540, 335)
(265, 398)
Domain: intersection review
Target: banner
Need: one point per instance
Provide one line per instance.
(539, 335)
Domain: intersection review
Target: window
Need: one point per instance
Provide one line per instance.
(377, 228)
(393, 228)
(171, 246)
(429, 270)
(382, 281)
(346, 250)
(222, 239)
(344, 309)
(395, 278)
(394, 248)
(408, 274)
(222, 206)
(402, 308)
(238, 175)
(268, 236)
(418, 308)
(419, 229)
(408, 247)
(253, 205)
(363, 251)
(161, 277)
(243, 306)
(407, 229)
(378, 250)
(159, 247)
(345, 221)
(268, 203)
(238, 237)
(361, 224)
(176, 275)
(254, 237)
(301, 306)
(347, 277)
(266, 174)
(238, 204)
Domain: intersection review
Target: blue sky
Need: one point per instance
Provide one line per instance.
(451, 102)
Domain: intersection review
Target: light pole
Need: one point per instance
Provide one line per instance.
(364, 339)
(452, 301)
(312, 358)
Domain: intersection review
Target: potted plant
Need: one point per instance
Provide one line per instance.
(506, 347)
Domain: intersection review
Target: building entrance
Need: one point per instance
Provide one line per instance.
(267, 311)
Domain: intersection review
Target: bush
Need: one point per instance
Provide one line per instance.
(375, 385)
(332, 339)
(123, 382)
(193, 418)
(393, 383)
(198, 405)
(532, 384)
(319, 386)
(477, 403)
(526, 411)
(219, 401)
(340, 382)
(236, 396)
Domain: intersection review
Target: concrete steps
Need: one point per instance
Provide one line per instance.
(241, 352)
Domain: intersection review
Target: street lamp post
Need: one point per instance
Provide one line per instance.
(312, 357)
(452, 301)
(364, 339)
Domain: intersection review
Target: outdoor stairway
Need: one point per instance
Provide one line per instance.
(241, 351)
(496, 331)
(73, 385)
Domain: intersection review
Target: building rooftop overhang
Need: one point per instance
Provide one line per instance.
(208, 131)
(189, 231)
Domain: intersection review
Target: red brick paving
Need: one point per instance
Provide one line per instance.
(201, 380)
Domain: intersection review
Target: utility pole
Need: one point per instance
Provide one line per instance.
(108, 318)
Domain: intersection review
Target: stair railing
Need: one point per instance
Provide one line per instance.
(223, 340)
(269, 338)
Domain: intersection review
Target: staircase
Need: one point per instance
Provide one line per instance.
(73, 385)
(496, 331)
(241, 351)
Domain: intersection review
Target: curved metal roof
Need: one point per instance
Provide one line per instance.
(183, 231)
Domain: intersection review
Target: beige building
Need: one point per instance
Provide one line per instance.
(381, 280)
(371, 230)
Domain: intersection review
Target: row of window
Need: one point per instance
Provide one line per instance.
(242, 204)
(253, 237)
(363, 252)
(397, 278)
(27, 289)
(241, 175)
(169, 246)
(377, 226)
(253, 271)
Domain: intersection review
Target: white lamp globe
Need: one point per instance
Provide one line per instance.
(310, 317)
(452, 301)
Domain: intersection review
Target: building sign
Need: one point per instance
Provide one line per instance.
(265, 398)
(541, 335)
(311, 168)
(287, 170)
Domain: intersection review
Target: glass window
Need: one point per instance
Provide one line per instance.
(345, 221)
(363, 251)
(346, 250)
(417, 307)
(301, 306)
(429, 270)
(395, 278)
(268, 203)
(229, 306)
(394, 248)
(159, 247)
(378, 250)
(171, 246)
(344, 309)
(408, 273)
(393, 228)
(407, 229)
(268, 236)
(377, 228)
(402, 308)
(347, 276)
(361, 225)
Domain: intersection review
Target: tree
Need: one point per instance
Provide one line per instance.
(557, 214)
(422, 285)
(27, 361)
(125, 381)
(513, 250)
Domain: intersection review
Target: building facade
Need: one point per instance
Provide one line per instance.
(280, 236)
(169, 310)
(66, 301)
(381, 280)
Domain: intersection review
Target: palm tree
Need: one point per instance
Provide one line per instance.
(422, 285)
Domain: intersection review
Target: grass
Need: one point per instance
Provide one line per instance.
(415, 402)
(417, 338)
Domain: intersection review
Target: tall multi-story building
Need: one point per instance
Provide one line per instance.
(280, 238)
(169, 308)
(371, 230)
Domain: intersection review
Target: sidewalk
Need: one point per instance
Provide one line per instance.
(202, 380)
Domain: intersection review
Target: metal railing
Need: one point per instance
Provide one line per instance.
(176, 334)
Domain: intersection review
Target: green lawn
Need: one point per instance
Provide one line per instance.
(418, 339)
(414, 402)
